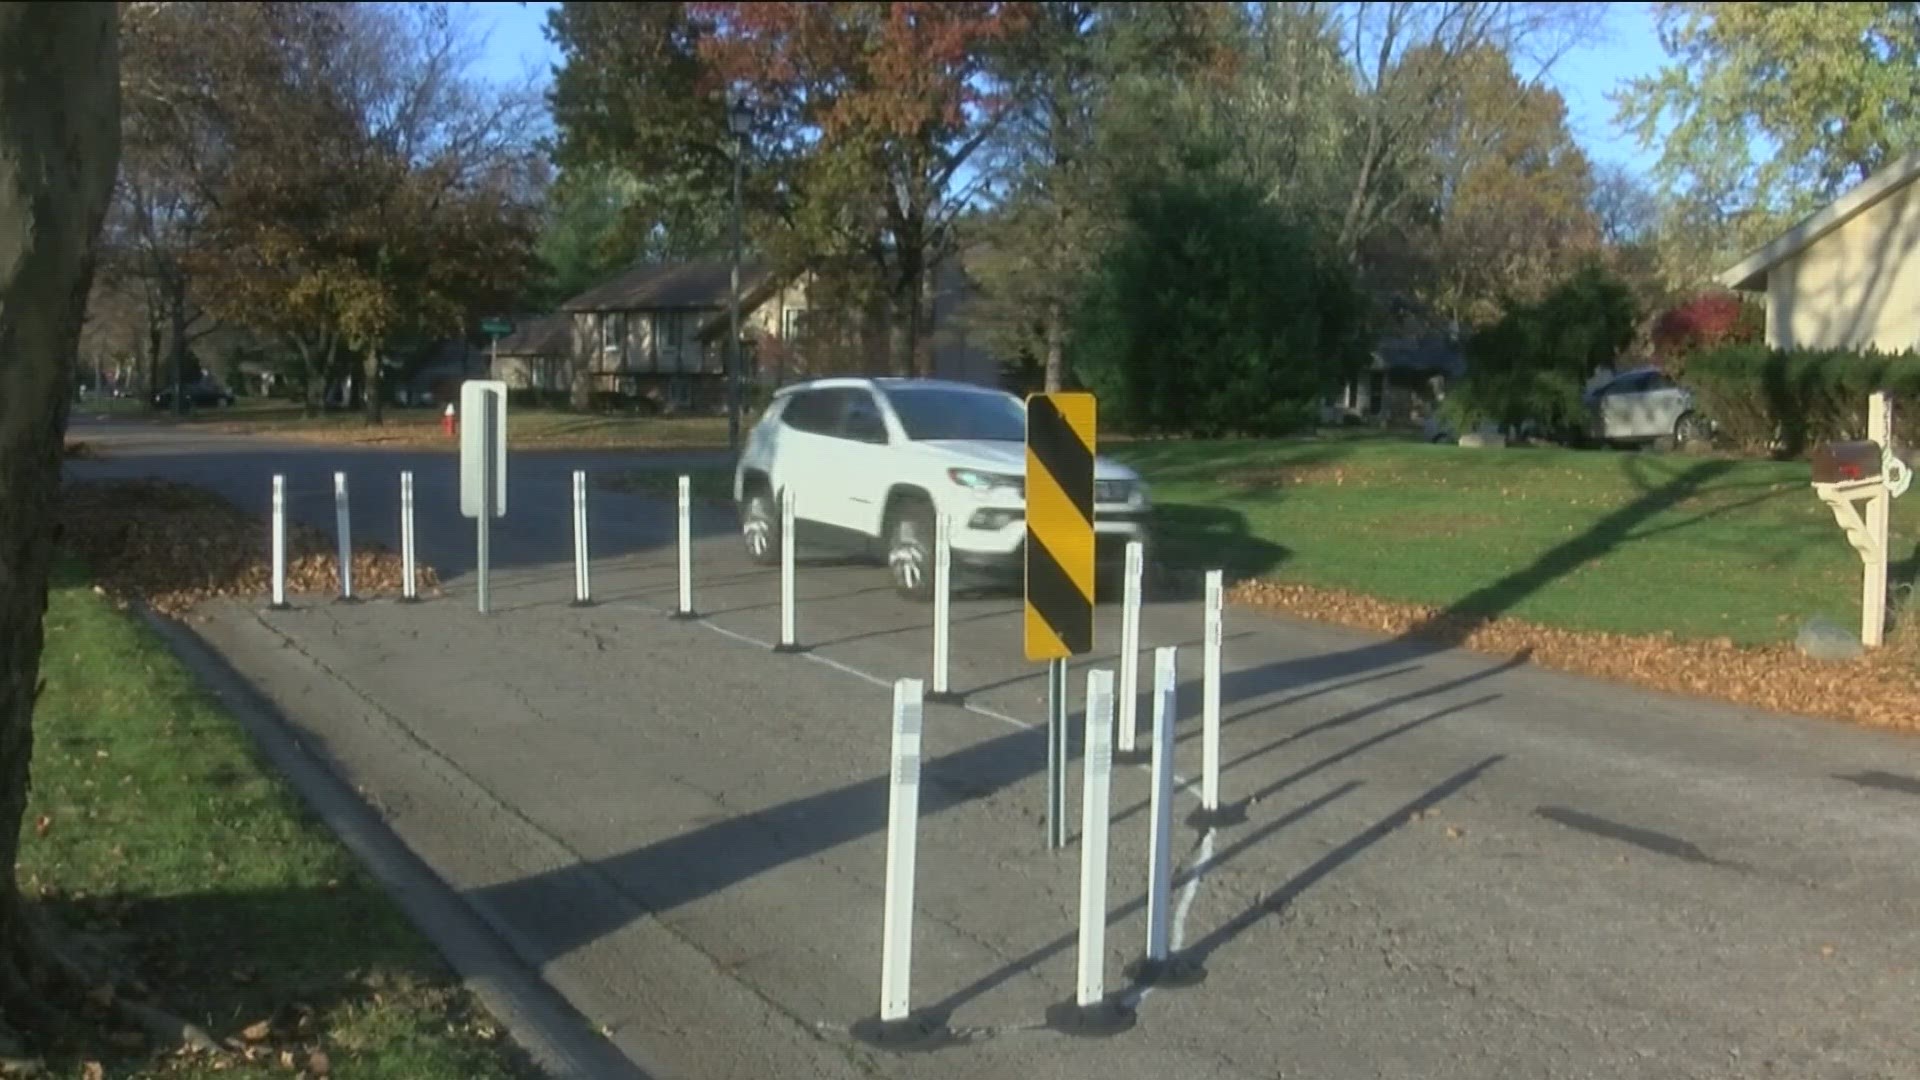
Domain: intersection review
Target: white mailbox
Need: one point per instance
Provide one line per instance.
(1847, 477)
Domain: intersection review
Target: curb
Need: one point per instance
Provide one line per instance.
(560, 1040)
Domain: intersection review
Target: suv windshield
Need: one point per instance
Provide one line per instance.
(929, 413)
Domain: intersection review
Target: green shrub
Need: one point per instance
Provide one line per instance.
(1213, 314)
(1533, 364)
(1770, 400)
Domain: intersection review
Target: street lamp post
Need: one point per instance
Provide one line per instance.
(739, 119)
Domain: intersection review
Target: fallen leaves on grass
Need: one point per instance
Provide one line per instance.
(173, 545)
(1880, 689)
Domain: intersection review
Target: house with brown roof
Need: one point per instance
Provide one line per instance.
(1847, 277)
(658, 333)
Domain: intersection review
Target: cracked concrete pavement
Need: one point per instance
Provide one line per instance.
(1453, 865)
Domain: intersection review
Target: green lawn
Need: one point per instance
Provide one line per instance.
(1586, 540)
(420, 427)
(1582, 539)
(152, 823)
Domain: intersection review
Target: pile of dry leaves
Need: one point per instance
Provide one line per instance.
(1881, 689)
(172, 545)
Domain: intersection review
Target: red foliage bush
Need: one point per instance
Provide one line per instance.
(1706, 321)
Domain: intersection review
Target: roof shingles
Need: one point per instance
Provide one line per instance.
(676, 286)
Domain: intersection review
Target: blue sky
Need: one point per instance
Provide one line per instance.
(1627, 46)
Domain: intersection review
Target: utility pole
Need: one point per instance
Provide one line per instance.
(739, 119)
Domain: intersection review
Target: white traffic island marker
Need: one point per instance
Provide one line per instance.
(789, 638)
(1127, 753)
(1212, 814)
(343, 529)
(943, 613)
(897, 1026)
(1159, 967)
(582, 583)
(685, 610)
(279, 602)
(409, 576)
(1091, 1013)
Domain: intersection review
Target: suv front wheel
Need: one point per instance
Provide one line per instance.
(760, 527)
(910, 551)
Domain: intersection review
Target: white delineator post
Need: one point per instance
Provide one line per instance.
(409, 588)
(343, 528)
(903, 822)
(1094, 813)
(1210, 698)
(1873, 604)
(279, 541)
(1160, 843)
(582, 585)
(1130, 649)
(942, 603)
(788, 642)
(685, 510)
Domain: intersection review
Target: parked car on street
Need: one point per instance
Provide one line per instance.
(1642, 405)
(877, 461)
(203, 394)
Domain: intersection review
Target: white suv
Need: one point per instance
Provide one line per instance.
(876, 460)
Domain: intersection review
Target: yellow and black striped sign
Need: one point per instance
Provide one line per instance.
(1060, 444)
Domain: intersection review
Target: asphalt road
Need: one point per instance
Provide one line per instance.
(1453, 865)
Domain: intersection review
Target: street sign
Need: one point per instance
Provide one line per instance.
(481, 400)
(496, 327)
(1059, 549)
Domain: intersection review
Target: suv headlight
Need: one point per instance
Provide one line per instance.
(977, 480)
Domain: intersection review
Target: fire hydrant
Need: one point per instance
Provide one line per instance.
(448, 423)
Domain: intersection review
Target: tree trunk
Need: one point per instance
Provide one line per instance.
(375, 411)
(59, 151)
(175, 292)
(1056, 348)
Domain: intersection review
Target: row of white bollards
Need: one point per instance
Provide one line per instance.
(1110, 734)
(1092, 1011)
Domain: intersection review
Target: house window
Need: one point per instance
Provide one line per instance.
(793, 325)
(613, 331)
(669, 332)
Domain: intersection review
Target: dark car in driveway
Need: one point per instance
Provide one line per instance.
(201, 395)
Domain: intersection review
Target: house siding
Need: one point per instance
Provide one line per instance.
(1858, 287)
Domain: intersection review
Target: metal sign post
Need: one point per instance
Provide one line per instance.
(1061, 432)
(1090, 1013)
(582, 584)
(279, 542)
(686, 550)
(1158, 966)
(483, 467)
(1056, 753)
(409, 588)
(343, 529)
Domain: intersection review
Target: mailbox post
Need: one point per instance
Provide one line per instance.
(1849, 474)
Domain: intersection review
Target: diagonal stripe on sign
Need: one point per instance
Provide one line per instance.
(1041, 642)
(1059, 601)
(1055, 521)
(1063, 443)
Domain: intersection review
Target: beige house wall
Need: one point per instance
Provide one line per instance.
(1858, 287)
